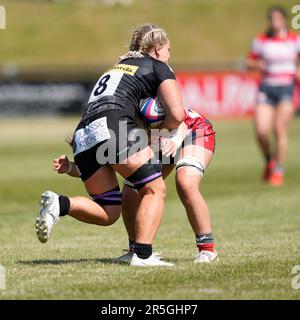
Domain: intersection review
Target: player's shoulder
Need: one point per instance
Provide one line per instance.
(158, 63)
(262, 37)
(142, 60)
(293, 35)
(148, 62)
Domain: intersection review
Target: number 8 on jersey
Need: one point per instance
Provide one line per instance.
(106, 85)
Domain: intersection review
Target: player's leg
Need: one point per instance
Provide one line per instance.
(130, 203)
(148, 197)
(193, 162)
(188, 179)
(146, 176)
(131, 199)
(263, 124)
(283, 116)
(104, 209)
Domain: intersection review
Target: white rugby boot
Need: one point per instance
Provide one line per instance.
(125, 258)
(205, 256)
(153, 261)
(48, 215)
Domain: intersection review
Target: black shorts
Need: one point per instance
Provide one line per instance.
(274, 95)
(108, 137)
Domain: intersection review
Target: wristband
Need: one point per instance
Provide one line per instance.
(177, 140)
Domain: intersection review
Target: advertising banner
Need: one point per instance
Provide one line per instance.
(215, 94)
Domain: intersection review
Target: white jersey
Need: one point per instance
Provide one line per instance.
(280, 55)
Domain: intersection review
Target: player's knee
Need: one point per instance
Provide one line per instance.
(280, 131)
(186, 186)
(113, 214)
(145, 175)
(262, 134)
(112, 197)
(157, 188)
(111, 202)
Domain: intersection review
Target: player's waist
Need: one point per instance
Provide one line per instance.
(278, 81)
(95, 109)
(278, 78)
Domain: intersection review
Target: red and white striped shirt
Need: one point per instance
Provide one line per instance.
(280, 55)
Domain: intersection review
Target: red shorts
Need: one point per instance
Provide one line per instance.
(208, 142)
(202, 134)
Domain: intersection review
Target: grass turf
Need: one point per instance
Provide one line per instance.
(77, 33)
(256, 227)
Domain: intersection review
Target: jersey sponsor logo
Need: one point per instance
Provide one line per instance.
(86, 138)
(126, 68)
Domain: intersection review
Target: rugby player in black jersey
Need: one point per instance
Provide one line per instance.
(106, 139)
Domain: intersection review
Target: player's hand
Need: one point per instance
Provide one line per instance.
(62, 164)
(261, 65)
(155, 142)
(168, 147)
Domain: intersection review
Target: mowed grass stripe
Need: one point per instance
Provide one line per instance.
(256, 227)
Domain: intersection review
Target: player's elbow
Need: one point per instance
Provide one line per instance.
(173, 123)
(179, 117)
(252, 64)
(249, 64)
(175, 120)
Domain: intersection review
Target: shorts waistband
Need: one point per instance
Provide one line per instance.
(99, 109)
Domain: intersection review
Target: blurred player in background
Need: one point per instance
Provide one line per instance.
(275, 54)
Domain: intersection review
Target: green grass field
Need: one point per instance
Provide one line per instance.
(257, 228)
(77, 33)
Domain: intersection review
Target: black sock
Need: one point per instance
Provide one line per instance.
(268, 157)
(204, 238)
(131, 245)
(143, 251)
(64, 205)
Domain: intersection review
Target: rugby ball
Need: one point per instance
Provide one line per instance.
(152, 112)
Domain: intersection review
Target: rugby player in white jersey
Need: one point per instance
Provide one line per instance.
(275, 53)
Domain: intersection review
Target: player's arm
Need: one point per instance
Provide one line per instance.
(298, 60)
(169, 95)
(255, 64)
(180, 134)
(63, 165)
(254, 60)
(297, 77)
(169, 146)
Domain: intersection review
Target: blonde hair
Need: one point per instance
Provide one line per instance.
(144, 38)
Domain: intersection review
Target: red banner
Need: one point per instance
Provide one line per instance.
(219, 94)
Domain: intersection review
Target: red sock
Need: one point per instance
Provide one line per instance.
(206, 246)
